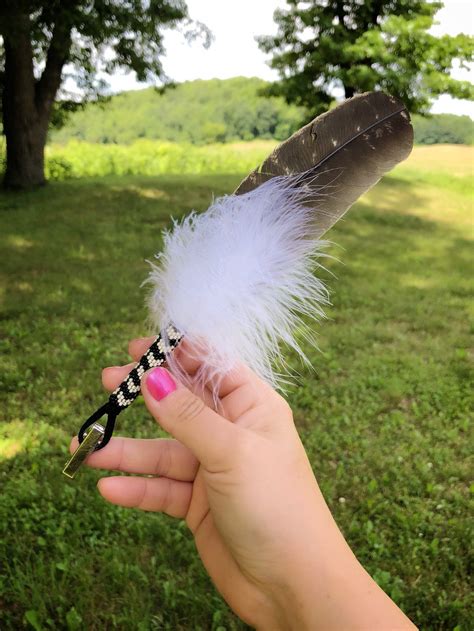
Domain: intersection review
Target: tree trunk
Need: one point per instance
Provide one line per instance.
(27, 102)
(26, 140)
(349, 91)
(24, 128)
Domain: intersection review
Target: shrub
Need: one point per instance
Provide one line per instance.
(443, 129)
(149, 157)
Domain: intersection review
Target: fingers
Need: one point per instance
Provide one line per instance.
(248, 394)
(239, 391)
(210, 437)
(150, 494)
(114, 375)
(240, 376)
(137, 347)
(158, 456)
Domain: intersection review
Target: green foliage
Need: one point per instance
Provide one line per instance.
(42, 43)
(385, 418)
(198, 112)
(147, 157)
(115, 34)
(360, 46)
(443, 128)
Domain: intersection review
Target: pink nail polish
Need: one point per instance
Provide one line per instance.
(160, 383)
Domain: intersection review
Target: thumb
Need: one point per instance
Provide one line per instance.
(210, 437)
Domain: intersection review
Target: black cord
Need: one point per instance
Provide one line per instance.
(112, 413)
(129, 389)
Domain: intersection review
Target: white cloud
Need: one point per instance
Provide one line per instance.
(235, 52)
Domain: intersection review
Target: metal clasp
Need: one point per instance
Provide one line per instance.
(92, 438)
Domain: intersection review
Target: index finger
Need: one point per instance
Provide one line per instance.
(149, 456)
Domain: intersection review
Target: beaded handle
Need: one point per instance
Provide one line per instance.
(129, 389)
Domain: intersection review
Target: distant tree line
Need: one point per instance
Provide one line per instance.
(204, 112)
(199, 112)
(443, 129)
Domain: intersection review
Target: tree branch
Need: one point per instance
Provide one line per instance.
(58, 52)
(376, 11)
(341, 14)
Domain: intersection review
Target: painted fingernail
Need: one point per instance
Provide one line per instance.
(160, 383)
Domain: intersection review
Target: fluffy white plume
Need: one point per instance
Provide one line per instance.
(237, 279)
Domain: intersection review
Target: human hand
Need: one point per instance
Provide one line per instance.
(243, 483)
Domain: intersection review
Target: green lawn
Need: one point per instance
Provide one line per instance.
(385, 415)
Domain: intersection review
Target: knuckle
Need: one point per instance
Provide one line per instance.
(121, 458)
(142, 499)
(163, 458)
(188, 407)
(166, 497)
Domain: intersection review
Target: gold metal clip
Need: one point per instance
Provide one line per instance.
(91, 440)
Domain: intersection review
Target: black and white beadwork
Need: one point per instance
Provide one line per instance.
(129, 389)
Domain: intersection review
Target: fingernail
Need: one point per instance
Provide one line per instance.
(160, 383)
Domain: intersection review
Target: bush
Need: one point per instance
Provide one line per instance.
(443, 129)
(149, 157)
(58, 168)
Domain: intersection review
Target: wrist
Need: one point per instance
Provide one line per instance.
(308, 597)
(325, 587)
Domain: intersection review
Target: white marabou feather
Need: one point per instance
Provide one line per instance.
(237, 279)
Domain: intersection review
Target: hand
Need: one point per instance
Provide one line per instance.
(243, 483)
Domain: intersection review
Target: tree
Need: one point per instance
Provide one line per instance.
(214, 110)
(361, 45)
(42, 39)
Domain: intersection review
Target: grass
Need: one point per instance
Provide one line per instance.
(385, 416)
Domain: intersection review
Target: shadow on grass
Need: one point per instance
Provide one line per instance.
(389, 397)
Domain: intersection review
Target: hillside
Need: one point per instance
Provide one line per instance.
(216, 111)
(199, 112)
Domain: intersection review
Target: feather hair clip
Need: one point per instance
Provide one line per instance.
(237, 280)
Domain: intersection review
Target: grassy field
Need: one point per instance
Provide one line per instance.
(385, 416)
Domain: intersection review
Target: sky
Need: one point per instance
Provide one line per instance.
(234, 51)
